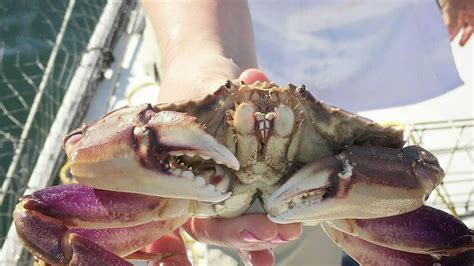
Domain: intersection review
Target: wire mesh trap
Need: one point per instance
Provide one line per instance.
(52, 54)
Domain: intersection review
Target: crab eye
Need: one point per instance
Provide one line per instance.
(301, 89)
(228, 84)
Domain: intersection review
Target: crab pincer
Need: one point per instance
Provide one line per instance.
(136, 149)
(369, 253)
(361, 182)
(69, 223)
(425, 230)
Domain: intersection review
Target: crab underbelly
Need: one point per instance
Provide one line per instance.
(260, 174)
(247, 198)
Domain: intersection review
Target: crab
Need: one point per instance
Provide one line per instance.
(143, 171)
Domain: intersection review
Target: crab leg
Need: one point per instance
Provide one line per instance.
(54, 243)
(425, 230)
(129, 150)
(361, 182)
(85, 207)
(367, 253)
(59, 224)
(126, 240)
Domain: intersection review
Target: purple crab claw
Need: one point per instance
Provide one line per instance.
(367, 253)
(74, 223)
(56, 244)
(135, 149)
(425, 230)
(85, 207)
(361, 182)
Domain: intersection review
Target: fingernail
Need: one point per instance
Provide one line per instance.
(452, 35)
(249, 237)
(278, 240)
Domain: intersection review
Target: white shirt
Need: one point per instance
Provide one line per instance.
(358, 55)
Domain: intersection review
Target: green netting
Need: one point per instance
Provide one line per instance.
(29, 34)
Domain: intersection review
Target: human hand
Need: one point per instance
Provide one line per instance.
(198, 46)
(253, 235)
(458, 14)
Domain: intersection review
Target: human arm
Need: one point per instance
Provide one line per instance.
(252, 235)
(202, 44)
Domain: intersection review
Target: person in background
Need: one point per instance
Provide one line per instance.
(342, 50)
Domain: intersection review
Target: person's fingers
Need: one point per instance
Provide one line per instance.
(289, 231)
(241, 232)
(257, 258)
(252, 75)
(453, 31)
(452, 24)
(466, 35)
(171, 243)
(250, 232)
(451, 17)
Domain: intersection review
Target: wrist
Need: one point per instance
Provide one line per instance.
(193, 75)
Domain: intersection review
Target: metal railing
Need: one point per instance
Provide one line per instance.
(43, 94)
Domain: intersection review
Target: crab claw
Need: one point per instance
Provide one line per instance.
(367, 253)
(80, 206)
(361, 182)
(425, 230)
(135, 149)
(50, 240)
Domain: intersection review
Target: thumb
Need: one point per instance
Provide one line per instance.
(252, 75)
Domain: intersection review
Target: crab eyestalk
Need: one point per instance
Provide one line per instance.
(361, 182)
(136, 149)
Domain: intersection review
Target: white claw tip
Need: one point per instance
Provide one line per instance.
(278, 220)
(234, 164)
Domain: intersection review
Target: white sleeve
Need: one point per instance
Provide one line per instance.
(358, 55)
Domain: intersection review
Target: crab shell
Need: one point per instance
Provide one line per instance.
(302, 160)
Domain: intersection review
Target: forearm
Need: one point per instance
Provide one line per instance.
(219, 27)
(203, 39)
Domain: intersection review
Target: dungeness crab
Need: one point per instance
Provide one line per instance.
(144, 170)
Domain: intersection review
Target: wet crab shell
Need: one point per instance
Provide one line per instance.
(151, 167)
